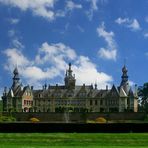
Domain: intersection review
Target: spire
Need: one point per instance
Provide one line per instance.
(124, 80)
(124, 75)
(69, 70)
(16, 78)
(69, 78)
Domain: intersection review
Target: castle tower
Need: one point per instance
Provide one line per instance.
(69, 78)
(124, 81)
(16, 79)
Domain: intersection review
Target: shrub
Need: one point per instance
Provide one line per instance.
(100, 120)
(90, 121)
(34, 119)
(7, 119)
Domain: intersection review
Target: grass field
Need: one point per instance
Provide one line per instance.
(62, 140)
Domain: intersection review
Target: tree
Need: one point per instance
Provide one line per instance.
(143, 94)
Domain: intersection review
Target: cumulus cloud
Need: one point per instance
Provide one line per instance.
(133, 24)
(15, 57)
(54, 52)
(70, 5)
(110, 52)
(51, 62)
(41, 8)
(86, 72)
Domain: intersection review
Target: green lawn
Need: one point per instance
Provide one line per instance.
(33, 140)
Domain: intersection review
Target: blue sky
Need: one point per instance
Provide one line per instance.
(96, 36)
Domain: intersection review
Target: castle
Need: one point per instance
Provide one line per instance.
(70, 97)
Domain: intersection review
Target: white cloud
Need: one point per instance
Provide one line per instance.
(14, 21)
(107, 54)
(94, 4)
(108, 36)
(51, 62)
(94, 7)
(133, 24)
(55, 52)
(15, 57)
(110, 52)
(70, 5)
(41, 8)
(121, 21)
(86, 72)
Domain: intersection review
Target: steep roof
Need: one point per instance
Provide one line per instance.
(122, 93)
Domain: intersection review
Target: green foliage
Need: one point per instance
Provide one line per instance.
(143, 94)
(1, 105)
(7, 119)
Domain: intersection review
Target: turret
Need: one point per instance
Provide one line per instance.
(16, 79)
(69, 78)
(124, 81)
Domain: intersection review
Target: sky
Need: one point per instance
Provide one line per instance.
(98, 37)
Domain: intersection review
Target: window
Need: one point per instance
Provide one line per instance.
(101, 102)
(90, 102)
(24, 102)
(96, 102)
(40, 95)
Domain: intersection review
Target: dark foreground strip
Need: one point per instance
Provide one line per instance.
(70, 127)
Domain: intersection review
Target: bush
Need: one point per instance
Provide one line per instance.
(34, 119)
(100, 120)
(90, 121)
(7, 119)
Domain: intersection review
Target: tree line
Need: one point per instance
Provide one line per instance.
(143, 98)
